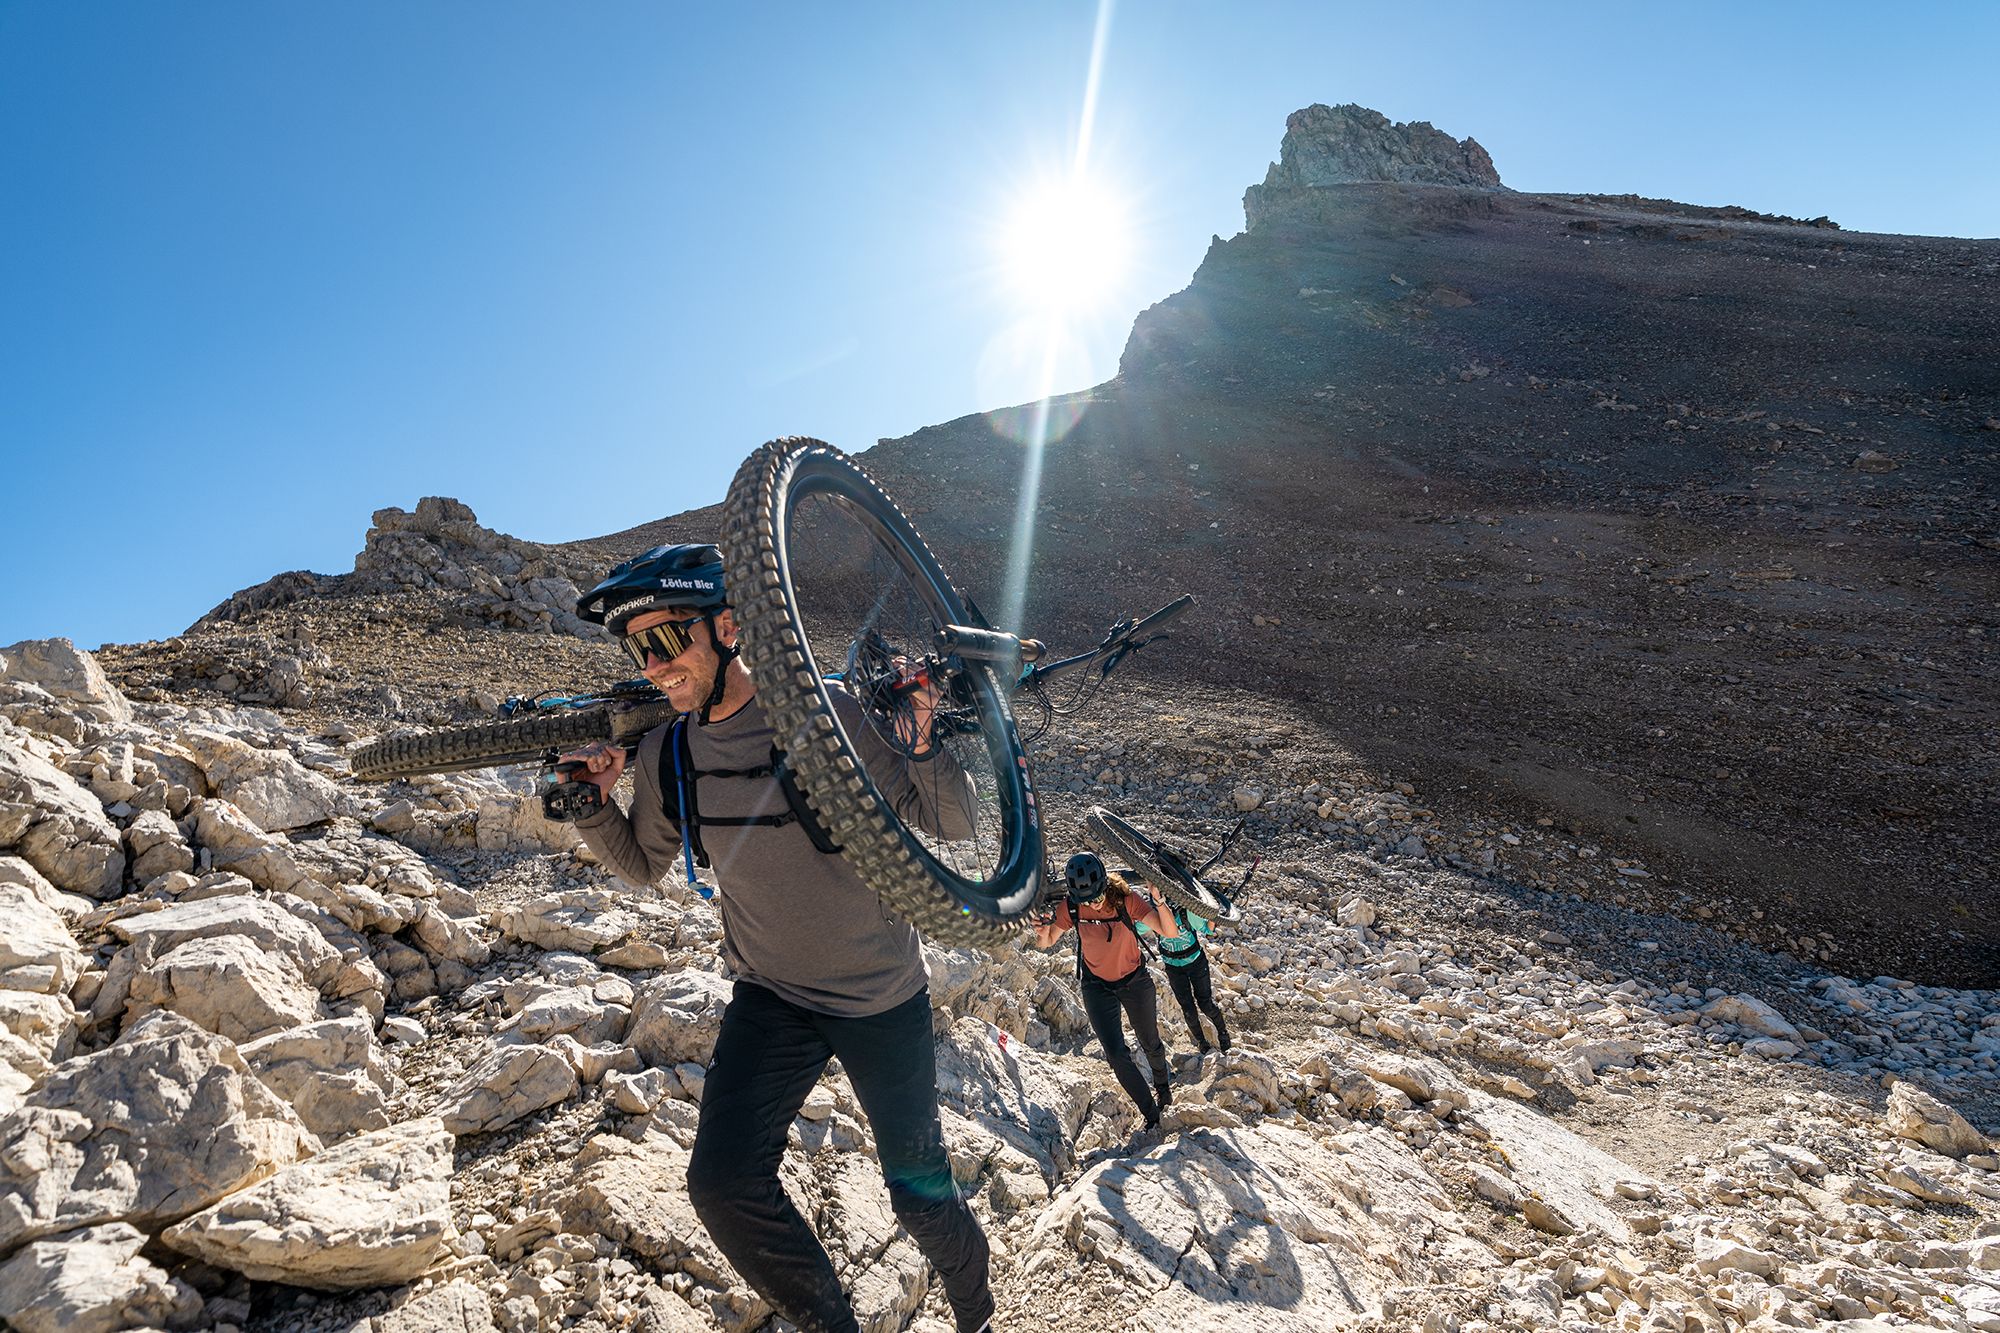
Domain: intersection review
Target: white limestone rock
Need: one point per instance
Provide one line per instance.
(92, 1281)
(19, 874)
(1419, 1079)
(1560, 1171)
(230, 985)
(638, 1094)
(46, 1024)
(265, 924)
(1915, 1114)
(56, 826)
(569, 1010)
(156, 1126)
(371, 1212)
(37, 951)
(68, 673)
(448, 938)
(677, 1017)
(333, 1074)
(273, 790)
(235, 844)
(582, 920)
(996, 989)
(635, 1194)
(506, 821)
(511, 1082)
(449, 1307)
(1751, 1013)
(1267, 1218)
(155, 846)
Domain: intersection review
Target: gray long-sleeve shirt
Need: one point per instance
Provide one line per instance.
(794, 919)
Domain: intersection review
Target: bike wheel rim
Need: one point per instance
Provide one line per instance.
(998, 766)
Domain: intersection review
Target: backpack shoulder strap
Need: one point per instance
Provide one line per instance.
(1145, 949)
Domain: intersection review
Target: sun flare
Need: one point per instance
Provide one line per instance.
(1065, 246)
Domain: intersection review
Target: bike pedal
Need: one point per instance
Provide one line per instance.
(565, 801)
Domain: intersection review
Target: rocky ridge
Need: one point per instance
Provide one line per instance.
(1342, 145)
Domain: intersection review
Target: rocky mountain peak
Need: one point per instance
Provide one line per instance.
(1349, 144)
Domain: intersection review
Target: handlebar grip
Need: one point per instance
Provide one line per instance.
(1161, 616)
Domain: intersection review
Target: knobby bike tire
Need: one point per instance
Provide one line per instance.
(519, 740)
(1113, 837)
(886, 854)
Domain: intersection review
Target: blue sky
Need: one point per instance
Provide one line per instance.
(267, 268)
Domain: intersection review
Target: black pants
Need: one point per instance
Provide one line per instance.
(1191, 988)
(768, 1057)
(1102, 1001)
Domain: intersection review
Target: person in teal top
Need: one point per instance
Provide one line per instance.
(1187, 974)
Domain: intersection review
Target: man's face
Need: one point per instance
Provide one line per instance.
(687, 679)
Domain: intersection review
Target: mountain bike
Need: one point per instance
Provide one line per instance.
(1166, 866)
(834, 591)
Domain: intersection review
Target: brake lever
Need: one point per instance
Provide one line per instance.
(1244, 883)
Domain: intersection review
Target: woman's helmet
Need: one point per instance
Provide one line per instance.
(687, 575)
(1085, 874)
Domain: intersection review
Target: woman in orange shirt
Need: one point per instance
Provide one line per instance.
(1111, 972)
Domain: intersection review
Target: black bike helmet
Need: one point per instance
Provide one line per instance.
(1085, 874)
(688, 575)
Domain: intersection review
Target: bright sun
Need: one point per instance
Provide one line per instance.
(1065, 247)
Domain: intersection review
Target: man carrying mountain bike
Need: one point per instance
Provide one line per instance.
(820, 968)
(1111, 973)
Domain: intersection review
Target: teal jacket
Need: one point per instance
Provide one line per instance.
(1184, 949)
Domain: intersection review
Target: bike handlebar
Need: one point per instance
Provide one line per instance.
(1121, 640)
(1162, 616)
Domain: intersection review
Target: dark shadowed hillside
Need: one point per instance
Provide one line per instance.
(1675, 526)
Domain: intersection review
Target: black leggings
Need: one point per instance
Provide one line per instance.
(767, 1058)
(1190, 985)
(1135, 995)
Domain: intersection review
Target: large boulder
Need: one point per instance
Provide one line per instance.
(37, 952)
(1915, 1114)
(578, 921)
(1307, 1234)
(275, 791)
(235, 843)
(56, 826)
(371, 1212)
(156, 847)
(43, 1023)
(67, 672)
(636, 1195)
(156, 1126)
(677, 1017)
(92, 1281)
(334, 1074)
(230, 985)
(32, 882)
(265, 924)
(511, 1082)
(507, 821)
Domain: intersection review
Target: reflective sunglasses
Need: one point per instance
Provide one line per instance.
(666, 640)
